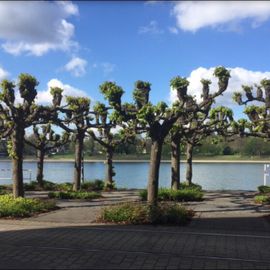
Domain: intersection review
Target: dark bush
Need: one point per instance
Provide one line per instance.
(33, 185)
(166, 194)
(96, 185)
(139, 213)
(264, 189)
(74, 195)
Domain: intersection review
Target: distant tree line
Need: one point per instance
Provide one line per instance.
(211, 146)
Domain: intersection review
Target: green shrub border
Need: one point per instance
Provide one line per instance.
(142, 213)
(11, 207)
(73, 195)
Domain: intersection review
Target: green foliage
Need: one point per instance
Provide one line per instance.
(78, 104)
(7, 94)
(264, 189)
(222, 73)
(100, 108)
(56, 91)
(160, 108)
(64, 186)
(33, 185)
(10, 150)
(27, 86)
(141, 93)
(96, 185)
(112, 92)
(263, 199)
(146, 114)
(5, 189)
(186, 194)
(186, 185)
(74, 195)
(205, 82)
(110, 186)
(220, 113)
(138, 213)
(265, 83)
(143, 85)
(247, 89)
(179, 83)
(253, 109)
(22, 207)
(237, 97)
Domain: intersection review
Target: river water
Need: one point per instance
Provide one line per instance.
(212, 176)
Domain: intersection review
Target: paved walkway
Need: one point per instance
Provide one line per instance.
(228, 232)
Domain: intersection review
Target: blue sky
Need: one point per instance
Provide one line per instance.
(79, 45)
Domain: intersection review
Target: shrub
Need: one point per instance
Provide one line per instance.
(23, 207)
(139, 213)
(185, 185)
(74, 195)
(95, 185)
(262, 199)
(110, 186)
(143, 194)
(5, 189)
(64, 186)
(166, 194)
(264, 189)
(33, 185)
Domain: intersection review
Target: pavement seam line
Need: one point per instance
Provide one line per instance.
(147, 253)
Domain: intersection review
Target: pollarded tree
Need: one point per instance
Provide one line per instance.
(108, 140)
(106, 122)
(218, 121)
(16, 117)
(198, 112)
(45, 140)
(77, 120)
(159, 120)
(259, 116)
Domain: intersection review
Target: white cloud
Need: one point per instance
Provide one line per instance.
(173, 30)
(76, 66)
(3, 74)
(44, 97)
(106, 67)
(149, 2)
(193, 15)
(151, 28)
(239, 77)
(36, 27)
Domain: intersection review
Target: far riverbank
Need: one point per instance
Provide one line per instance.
(145, 161)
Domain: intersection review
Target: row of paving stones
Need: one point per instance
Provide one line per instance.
(106, 247)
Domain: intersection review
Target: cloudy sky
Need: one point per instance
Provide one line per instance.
(79, 45)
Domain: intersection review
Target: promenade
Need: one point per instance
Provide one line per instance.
(228, 232)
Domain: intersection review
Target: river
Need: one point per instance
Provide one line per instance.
(212, 176)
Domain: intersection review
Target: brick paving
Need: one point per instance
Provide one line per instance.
(235, 238)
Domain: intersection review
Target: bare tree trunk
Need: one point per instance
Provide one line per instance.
(17, 162)
(40, 163)
(78, 162)
(189, 163)
(109, 168)
(175, 162)
(152, 191)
